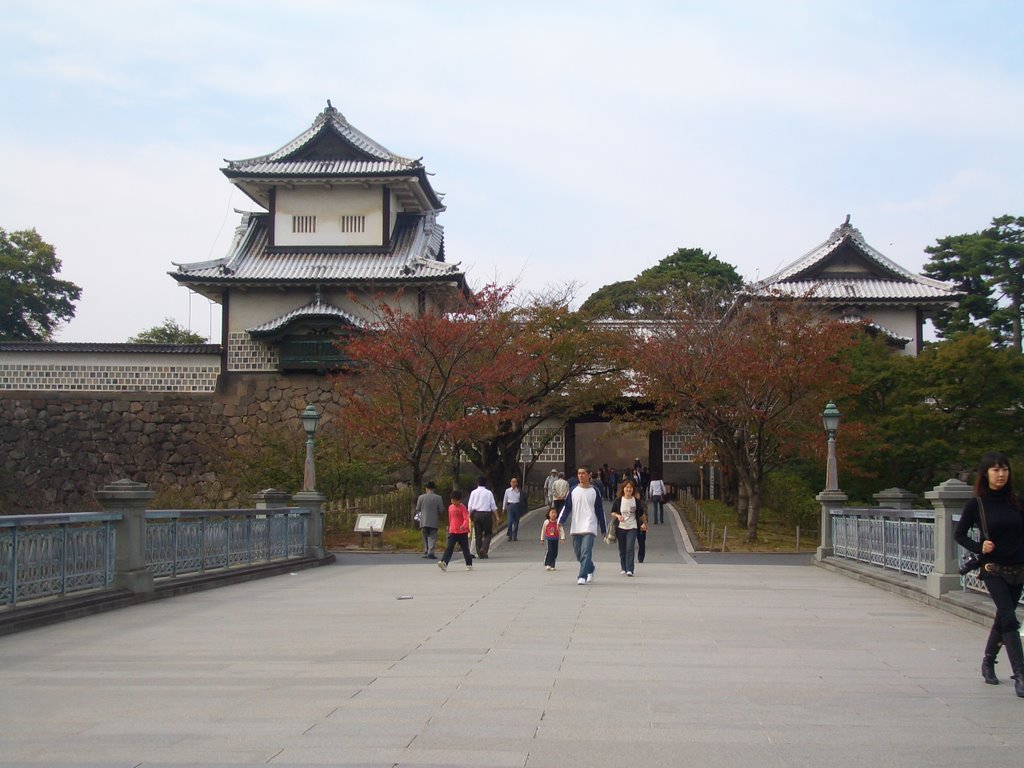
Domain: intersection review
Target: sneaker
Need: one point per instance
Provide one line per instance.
(629, 573)
(622, 573)
(581, 581)
(469, 567)
(590, 577)
(442, 565)
(548, 568)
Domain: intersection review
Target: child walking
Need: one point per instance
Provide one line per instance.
(551, 533)
(458, 531)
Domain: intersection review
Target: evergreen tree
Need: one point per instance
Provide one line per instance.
(988, 266)
(33, 301)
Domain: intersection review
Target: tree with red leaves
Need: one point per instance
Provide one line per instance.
(425, 380)
(477, 378)
(750, 376)
(569, 366)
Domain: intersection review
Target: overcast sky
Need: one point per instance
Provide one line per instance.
(574, 141)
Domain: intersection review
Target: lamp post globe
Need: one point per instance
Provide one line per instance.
(310, 418)
(830, 418)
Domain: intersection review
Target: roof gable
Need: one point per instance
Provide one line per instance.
(846, 268)
(332, 151)
(331, 137)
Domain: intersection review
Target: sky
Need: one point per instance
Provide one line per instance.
(574, 142)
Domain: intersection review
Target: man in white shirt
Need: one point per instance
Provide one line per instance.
(584, 510)
(483, 511)
(559, 491)
(512, 506)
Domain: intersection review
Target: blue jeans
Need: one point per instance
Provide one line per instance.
(583, 548)
(512, 532)
(658, 510)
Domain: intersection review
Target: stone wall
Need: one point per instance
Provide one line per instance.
(56, 448)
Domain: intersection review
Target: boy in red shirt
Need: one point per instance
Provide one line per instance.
(458, 531)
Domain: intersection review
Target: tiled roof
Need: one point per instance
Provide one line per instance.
(859, 290)
(887, 281)
(879, 328)
(415, 256)
(332, 120)
(318, 309)
(325, 168)
(114, 348)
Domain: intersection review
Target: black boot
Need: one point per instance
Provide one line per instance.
(988, 661)
(1016, 655)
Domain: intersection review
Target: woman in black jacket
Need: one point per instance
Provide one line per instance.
(631, 516)
(999, 514)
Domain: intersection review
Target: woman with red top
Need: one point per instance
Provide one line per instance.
(458, 531)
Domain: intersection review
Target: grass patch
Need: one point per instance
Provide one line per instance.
(709, 519)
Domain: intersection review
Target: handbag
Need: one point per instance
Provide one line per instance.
(973, 561)
(613, 527)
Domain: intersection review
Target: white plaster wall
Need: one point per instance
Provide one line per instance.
(252, 308)
(901, 321)
(107, 359)
(328, 205)
(108, 372)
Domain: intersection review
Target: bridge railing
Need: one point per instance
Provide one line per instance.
(128, 546)
(45, 555)
(918, 542)
(187, 541)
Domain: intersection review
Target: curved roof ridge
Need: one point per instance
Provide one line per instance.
(847, 232)
(329, 119)
(316, 309)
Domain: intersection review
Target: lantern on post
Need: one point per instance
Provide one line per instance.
(830, 418)
(310, 418)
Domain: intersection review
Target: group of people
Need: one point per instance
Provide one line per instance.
(995, 511)
(480, 511)
(579, 505)
(583, 510)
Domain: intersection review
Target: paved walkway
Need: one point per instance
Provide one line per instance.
(382, 660)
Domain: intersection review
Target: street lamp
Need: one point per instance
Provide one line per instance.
(310, 418)
(527, 451)
(830, 420)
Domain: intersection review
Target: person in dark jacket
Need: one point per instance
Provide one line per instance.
(998, 513)
(429, 507)
(628, 511)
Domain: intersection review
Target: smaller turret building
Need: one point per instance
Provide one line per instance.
(347, 224)
(859, 283)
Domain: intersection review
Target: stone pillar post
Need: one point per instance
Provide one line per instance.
(129, 499)
(948, 498)
(829, 500)
(313, 501)
(895, 498)
(272, 498)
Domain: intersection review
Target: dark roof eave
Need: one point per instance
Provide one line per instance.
(228, 280)
(419, 174)
(112, 347)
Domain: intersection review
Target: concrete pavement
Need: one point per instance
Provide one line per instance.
(383, 660)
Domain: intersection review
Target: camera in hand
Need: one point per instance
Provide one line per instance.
(971, 563)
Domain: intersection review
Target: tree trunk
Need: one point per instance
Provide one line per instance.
(742, 505)
(754, 513)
